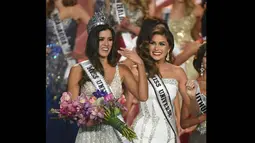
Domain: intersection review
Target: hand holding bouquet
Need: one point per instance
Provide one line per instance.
(100, 108)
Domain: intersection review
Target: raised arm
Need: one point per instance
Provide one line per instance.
(134, 29)
(126, 25)
(140, 89)
(73, 81)
(91, 7)
(80, 13)
(198, 12)
(163, 4)
(152, 8)
(189, 49)
(107, 6)
(187, 121)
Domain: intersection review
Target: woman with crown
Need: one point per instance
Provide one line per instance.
(102, 57)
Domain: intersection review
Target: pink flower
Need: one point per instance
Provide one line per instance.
(75, 103)
(66, 96)
(93, 113)
(78, 108)
(71, 108)
(108, 97)
(100, 115)
(92, 99)
(63, 112)
(63, 105)
(97, 114)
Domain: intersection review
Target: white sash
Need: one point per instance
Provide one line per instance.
(201, 101)
(164, 100)
(121, 13)
(63, 41)
(99, 83)
(96, 78)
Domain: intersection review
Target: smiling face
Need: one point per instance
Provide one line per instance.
(105, 43)
(159, 47)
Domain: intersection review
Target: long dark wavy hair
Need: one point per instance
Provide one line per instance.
(143, 49)
(198, 59)
(92, 51)
(51, 5)
(146, 29)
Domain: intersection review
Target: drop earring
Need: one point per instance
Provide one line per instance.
(167, 57)
(202, 69)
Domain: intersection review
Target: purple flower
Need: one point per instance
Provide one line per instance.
(99, 93)
(87, 105)
(87, 109)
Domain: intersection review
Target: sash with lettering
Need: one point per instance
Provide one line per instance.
(96, 78)
(63, 41)
(201, 101)
(164, 100)
(130, 42)
(98, 81)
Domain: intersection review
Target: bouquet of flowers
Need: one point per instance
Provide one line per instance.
(100, 107)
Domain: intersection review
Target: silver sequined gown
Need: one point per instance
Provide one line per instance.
(150, 124)
(55, 62)
(101, 133)
(58, 131)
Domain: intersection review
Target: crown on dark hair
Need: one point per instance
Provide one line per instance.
(99, 18)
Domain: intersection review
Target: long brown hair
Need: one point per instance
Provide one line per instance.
(198, 59)
(144, 53)
(50, 7)
(92, 51)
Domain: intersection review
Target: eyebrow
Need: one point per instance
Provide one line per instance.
(159, 41)
(105, 37)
